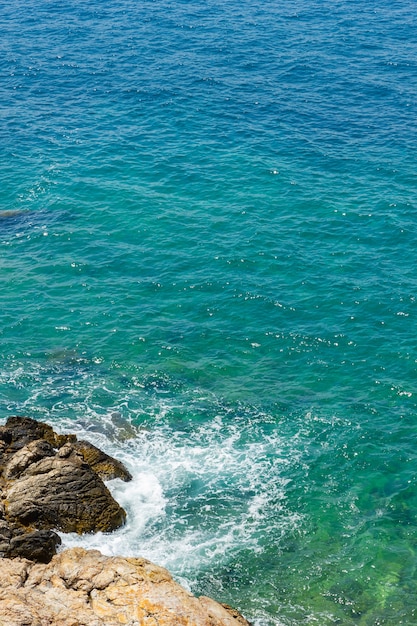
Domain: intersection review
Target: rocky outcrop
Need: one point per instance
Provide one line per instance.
(52, 482)
(62, 492)
(85, 588)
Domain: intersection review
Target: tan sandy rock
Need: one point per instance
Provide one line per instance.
(85, 588)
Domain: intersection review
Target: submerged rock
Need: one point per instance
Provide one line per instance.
(84, 588)
(12, 213)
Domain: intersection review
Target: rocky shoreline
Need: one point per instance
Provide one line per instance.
(51, 482)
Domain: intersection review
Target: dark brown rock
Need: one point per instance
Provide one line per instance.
(62, 493)
(50, 481)
(38, 545)
(6, 436)
(25, 429)
(103, 464)
(6, 534)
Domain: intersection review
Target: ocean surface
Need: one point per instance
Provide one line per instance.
(208, 239)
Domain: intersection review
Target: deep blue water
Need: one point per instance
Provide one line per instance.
(208, 231)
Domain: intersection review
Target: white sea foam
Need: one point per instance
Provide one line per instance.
(267, 620)
(210, 480)
(196, 497)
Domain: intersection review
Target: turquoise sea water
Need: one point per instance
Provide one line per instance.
(208, 232)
